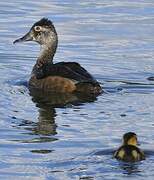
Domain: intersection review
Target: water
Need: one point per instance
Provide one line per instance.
(114, 41)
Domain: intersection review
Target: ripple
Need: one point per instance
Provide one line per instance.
(49, 137)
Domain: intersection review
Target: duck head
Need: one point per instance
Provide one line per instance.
(130, 138)
(42, 32)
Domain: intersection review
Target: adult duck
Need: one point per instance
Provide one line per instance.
(62, 77)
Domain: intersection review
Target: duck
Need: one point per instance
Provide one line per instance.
(61, 77)
(129, 152)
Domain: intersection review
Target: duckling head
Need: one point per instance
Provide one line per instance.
(130, 138)
(42, 32)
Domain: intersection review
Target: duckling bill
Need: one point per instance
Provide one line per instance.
(63, 77)
(129, 152)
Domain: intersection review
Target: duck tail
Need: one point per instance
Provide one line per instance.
(91, 88)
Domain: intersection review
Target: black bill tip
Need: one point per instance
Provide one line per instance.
(17, 40)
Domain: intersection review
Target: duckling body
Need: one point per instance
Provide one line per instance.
(63, 77)
(129, 152)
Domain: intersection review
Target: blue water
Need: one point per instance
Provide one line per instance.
(114, 41)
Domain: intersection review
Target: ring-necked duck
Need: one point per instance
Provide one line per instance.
(63, 77)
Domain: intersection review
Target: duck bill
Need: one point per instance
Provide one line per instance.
(26, 37)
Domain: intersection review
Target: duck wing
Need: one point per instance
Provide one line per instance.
(76, 67)
(71, 70)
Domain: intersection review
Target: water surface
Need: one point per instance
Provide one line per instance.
(114, 41)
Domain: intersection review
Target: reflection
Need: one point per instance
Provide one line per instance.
(104, 152)
(46, 122)
(151, 78)
(130, 168)
(47, 102)
(59, 100)
(42, 151)
(44, 129)
(46, 126)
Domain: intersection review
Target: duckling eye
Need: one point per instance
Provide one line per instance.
(37, 28)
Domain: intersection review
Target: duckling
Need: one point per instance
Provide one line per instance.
(129, 151)
(62, 77)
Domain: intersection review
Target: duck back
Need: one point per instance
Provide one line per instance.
(129, 153)
(64, 77)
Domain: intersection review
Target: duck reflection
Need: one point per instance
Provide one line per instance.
(45, 127)
(55, 100)
(130, 168)
(46, 122)
(46, 103)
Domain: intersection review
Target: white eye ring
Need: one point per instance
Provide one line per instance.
(37, 28)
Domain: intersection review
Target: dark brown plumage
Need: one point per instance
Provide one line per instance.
(60, 77)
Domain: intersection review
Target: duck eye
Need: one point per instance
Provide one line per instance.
(37, 28)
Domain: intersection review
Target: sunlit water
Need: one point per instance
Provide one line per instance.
(112, 39)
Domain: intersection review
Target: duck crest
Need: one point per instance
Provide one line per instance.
(44, 22)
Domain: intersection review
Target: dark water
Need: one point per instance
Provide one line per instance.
(114, 41)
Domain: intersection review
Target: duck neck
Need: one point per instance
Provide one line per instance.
(47, 53)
